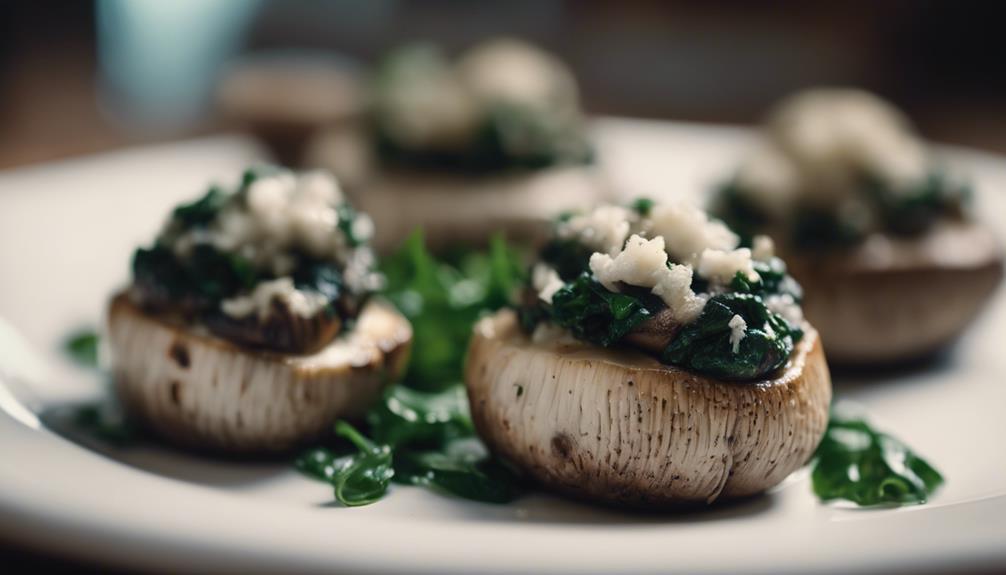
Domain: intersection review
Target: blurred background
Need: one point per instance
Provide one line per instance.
(82, 77)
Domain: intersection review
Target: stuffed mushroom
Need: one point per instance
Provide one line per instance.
(875, 228)
(250, 324)
(489, 140)
(651, 362)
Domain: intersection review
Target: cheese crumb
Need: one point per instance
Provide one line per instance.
(643, 263)
(300, 302)
(721, 266)
(689, 231)
(603, 229)
(546, 282)
(762, 248)
(737, 328)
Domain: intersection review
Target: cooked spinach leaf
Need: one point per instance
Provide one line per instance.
(594, 314)
(569, 257)
(857, 463)
(643, 206)
(914, 211)
(772, 280)
(704, 346)
(201, 211)
(82, 347)
(207, 277)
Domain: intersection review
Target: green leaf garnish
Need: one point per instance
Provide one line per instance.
(443, 299)
(82, 347)
(362, 478)
(857, 463)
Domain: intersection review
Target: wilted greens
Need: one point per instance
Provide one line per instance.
(857, 463)
(597, 315)
(82, 347)
(421, 432)
(704, 346)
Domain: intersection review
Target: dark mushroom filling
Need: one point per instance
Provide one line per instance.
(746, 330)
(285, 271)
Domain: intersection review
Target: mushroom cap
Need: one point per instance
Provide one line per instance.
(619, 427)
(201, 391)
(456, 208)
(893, 299)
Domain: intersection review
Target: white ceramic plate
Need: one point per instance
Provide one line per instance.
(66, 232)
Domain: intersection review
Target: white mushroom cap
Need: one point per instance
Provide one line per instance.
(620, 427)
(204, 392)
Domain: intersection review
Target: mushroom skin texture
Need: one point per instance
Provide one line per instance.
(618, 427)
(203, 392)
(892, 300)
(467, 209)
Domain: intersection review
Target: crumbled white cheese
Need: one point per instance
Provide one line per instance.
(643, 263)
(640, 264)
(362, 228)
(604, 228)
(737, 328)
(786, 306)
(260, 300)
(720, 266)
(835, 135)
(283, 212)
(762, 248)
(359, 272)
(675, 288)
(688, 231)
(545, 281)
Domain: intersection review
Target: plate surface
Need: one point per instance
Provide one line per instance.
(66, 232)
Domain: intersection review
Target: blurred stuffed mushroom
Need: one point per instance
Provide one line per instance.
(652, 362)
(871, 223)
(489, 140)
(250, 323)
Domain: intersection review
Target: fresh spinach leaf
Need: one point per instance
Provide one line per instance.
(463, 468)
(82, 347)
(443, 299)
(362, 478)
(704, 346)
(857, 463)
(408, 417)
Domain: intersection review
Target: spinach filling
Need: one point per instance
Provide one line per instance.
(194, 286)
(902, 213)
(507, 135)
(596, 315)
